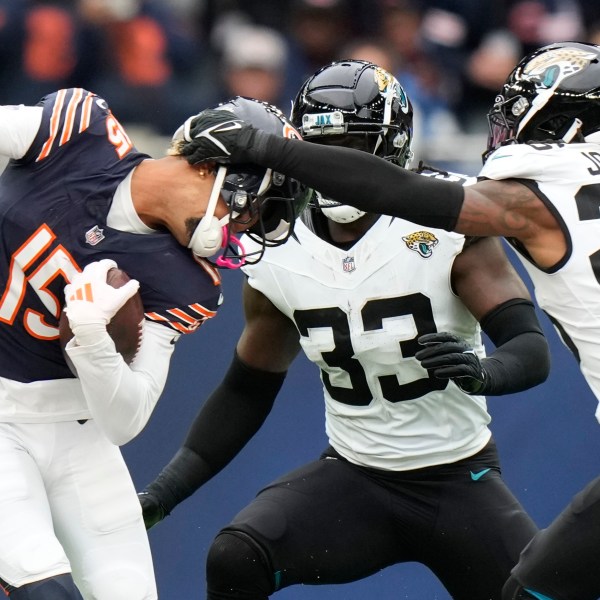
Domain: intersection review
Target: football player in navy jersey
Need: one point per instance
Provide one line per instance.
(390, 314)
(76, 199)
(540, 189)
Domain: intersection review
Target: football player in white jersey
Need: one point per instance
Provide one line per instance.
(77, 198)
(389, 312)
(540, 189)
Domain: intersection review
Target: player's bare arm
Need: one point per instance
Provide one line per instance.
(270, 340)
(339, 173)
(234, 411)
(509, 209)
(490, 288)
(484, 278)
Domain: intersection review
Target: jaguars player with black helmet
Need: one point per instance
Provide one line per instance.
(76, 199)
(389, 313)
(540, 189)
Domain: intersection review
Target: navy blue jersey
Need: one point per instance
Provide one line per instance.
(53, 208)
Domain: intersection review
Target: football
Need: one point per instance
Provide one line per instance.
(125, 328)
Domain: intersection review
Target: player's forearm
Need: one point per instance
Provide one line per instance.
(521, 359)
(229, 418)
(18, 128)
(121, 398)
(362, 180)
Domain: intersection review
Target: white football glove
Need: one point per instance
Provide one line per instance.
(91, 302)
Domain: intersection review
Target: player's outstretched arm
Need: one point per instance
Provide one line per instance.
(343, 174)
(499, 208)
(234, 411)
(228, 419)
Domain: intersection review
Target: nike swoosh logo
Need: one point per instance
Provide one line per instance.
(478, 476)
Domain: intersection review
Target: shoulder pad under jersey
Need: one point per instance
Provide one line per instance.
(537, 161)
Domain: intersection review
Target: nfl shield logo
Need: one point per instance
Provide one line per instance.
(94, 236)
(348, 264)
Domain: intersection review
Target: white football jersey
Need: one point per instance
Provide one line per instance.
(566, 177)
(359, 313)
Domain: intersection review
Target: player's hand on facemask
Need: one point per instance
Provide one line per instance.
(448, 356)
(217, 135)
(91, 302)
(152, 509)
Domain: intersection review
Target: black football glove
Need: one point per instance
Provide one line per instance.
(152, 509)
(217, 135)
(450, 357)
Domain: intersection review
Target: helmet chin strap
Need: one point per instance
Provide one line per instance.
(210, 234)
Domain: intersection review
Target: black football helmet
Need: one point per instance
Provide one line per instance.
(253, 192)
(356, 104)
(552, 94)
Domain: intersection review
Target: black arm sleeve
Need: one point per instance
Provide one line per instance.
(522, 356)
(229, 418)
(362, 180)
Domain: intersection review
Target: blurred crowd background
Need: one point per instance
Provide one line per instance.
(157, 61)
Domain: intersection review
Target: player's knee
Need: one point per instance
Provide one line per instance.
(513, 590)
(236, 567)
(59, 587)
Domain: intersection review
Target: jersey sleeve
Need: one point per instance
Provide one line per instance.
(71, 117)
(539, 162)
(18, 127)
(121, 398)
(184, 295)
(66, 114)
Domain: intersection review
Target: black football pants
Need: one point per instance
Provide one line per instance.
(333, 522)
(562, 561)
